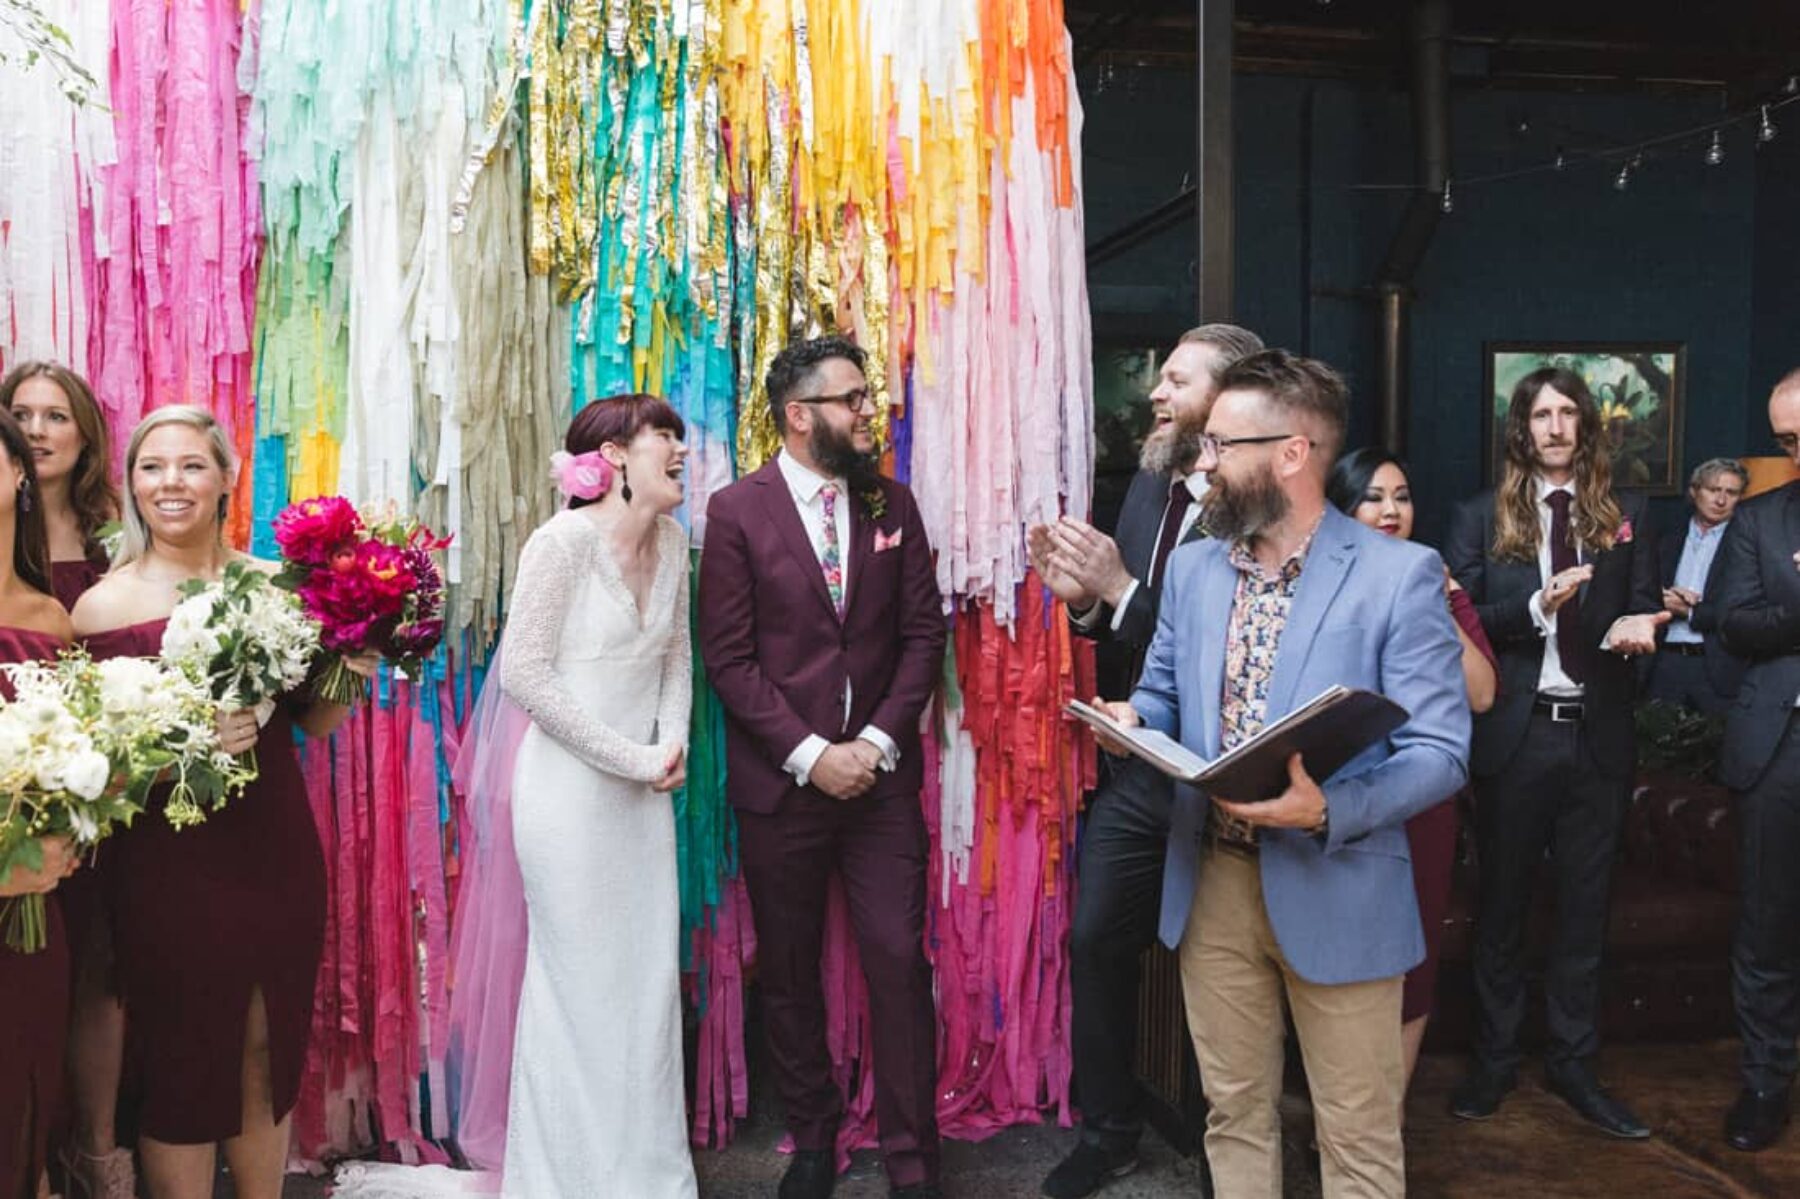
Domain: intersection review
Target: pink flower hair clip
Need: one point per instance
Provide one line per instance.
(581, 476)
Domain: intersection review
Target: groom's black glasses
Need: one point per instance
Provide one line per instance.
(855, 400)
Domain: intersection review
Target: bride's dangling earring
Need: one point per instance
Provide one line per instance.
(624, 484)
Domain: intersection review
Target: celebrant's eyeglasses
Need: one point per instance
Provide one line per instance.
(855, 400)
(1788, 442)
(1215, 447)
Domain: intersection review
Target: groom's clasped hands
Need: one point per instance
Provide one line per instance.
(847, 769)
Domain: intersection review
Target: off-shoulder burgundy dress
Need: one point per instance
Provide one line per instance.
(34, 1011)
(71, 578)
(204, 919)
(1431, 835)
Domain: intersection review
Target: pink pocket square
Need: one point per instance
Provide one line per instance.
(887, 541)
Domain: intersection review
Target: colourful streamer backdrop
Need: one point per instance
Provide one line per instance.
(394, 246)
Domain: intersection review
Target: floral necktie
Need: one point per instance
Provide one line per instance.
(831, 557)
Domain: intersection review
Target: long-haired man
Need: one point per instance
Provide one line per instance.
(1564, 575)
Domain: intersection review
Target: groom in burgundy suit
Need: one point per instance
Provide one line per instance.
(823, 632)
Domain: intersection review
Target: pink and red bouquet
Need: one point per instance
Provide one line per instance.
(372, 585)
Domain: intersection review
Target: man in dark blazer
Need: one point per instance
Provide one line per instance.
(1692, 668)
(1112, 586)
(823, 631)
(1760, 598)
(1563, 573)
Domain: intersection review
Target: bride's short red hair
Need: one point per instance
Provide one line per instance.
(620, 418)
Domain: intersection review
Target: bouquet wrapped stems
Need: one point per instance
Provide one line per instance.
(26, 921)
(338, 684)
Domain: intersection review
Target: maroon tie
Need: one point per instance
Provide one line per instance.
(1179, 500)
(1568, 617)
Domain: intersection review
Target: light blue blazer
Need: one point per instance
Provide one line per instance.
(1368, 612)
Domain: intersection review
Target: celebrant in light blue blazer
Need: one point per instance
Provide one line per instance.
(1308, 895)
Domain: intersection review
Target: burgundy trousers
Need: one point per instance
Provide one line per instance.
(878, 845)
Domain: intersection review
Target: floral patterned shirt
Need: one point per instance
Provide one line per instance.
(1259, 614)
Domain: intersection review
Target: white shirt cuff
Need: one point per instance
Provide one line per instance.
(800, 763)
(890, 753)
(1545, 625)
(1124, 603)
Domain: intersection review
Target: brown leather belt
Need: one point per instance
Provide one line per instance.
(1243, 849)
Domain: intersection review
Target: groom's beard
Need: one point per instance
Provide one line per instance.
(837, 455)
(1239, 511)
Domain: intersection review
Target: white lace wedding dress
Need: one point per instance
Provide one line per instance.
(598, 1102)
(598, 1099)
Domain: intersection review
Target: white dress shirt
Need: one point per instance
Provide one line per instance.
(1697, 554)
(1197, 485)
(1552, 678)
(804, 485)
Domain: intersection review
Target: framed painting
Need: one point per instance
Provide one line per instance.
(1639, 389)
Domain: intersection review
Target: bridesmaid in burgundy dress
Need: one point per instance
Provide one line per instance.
(219, 927)
(1371, 485)
(34, 987)
(67, 433)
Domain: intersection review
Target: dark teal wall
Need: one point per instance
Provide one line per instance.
(1709, 256)
(1775, 348)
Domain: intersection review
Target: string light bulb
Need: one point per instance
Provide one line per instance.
(1623, 180)
(1561, 159)
(1765, 132)
(1446, 203)
(1715, 153)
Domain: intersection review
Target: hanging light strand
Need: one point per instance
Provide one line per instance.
(1631, 157)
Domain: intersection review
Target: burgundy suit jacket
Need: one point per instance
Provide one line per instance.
(777, 653)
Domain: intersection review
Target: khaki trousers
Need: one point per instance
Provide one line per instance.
(1234, 980)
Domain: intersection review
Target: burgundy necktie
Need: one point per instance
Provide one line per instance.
(1568, 617)
(1179, 500)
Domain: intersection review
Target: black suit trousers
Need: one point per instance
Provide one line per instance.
(1123, 843)
(1550, 796)
(1765, 953)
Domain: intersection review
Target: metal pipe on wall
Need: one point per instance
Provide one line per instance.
(1430, 43)
(1213, 264)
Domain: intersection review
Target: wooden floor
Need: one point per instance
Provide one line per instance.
(1534, 1149)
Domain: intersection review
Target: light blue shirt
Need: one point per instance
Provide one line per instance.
(1697, 554)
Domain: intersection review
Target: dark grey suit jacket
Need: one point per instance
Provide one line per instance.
(1760, 598)
(1625, 582)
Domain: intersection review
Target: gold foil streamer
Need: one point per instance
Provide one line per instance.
(757, 438)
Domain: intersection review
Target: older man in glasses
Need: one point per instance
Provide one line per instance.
(1759, 602)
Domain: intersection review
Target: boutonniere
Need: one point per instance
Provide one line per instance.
(875, 501)
(1623, 536)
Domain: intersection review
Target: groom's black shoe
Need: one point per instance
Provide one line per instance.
(811, 1175)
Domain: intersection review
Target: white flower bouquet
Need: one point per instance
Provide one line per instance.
(242, 639)
(157, 725)
(57, 779)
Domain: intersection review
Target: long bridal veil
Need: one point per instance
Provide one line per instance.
(487, 966)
